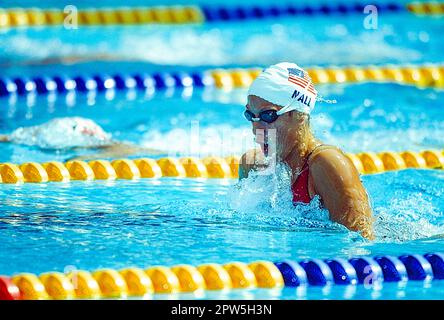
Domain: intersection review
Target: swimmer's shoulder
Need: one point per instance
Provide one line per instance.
(325, 152)
(330, 159)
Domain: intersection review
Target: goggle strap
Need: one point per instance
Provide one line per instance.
(287, 108)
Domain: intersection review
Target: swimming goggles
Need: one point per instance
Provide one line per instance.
(268, 116)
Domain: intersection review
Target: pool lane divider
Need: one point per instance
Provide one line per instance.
(31, 17)
(27, 17)
(137, 282)
(191, 167)
(423, 76)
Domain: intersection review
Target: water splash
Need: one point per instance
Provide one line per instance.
(264, 200)
(321, 99)
(408, 219)
(266, 197)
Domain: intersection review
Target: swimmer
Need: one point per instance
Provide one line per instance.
(279, 104)
(74, 133)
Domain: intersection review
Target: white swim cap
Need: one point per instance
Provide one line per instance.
(60, 133)
(285, 84)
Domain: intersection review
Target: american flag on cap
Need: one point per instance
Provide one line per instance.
(301, 78)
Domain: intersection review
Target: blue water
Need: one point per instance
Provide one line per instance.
(365, 117)
(319, 40)
(91, 225)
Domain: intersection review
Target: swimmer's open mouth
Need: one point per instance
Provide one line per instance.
(263, 139)
(266, 143)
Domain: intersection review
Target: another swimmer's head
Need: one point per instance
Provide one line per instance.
(75, 132)
(88, 128)
(61, 133)
(281, 98)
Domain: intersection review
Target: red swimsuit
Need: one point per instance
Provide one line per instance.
(300, 186)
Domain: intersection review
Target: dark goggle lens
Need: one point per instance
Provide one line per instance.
(268, 116)
(249, 115)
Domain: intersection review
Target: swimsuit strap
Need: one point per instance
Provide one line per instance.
(300, 185)
(305, 165)
(311, 152)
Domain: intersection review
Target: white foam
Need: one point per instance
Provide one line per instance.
(268, 198)
(224, 45)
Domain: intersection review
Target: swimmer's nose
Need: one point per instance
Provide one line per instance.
(259, 126)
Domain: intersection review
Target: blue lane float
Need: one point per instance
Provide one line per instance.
(183, 80)
(45, 85)
(343, 271)
(7, 87)
(125, 82)
(292, 272)
(237, 13)
(418, 268)
(163, 81)
(85, 84)
(436, 261)
(362, 270)
(24, 86)
(104, 82)
(100, 83)
(65, 84)
(367, 270)
(144, 81)
(392, 268)
(318, 272)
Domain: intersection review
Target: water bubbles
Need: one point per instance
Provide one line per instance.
(320, 98)
(423, 36)
(368, 103)
(338, 31)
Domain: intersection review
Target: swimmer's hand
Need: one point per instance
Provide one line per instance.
(251, 160)
(119, 150)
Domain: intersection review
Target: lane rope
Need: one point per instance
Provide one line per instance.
(137, 282)
(29, 17)
(191, 167)
(422, 76)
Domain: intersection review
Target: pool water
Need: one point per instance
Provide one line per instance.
(311, 40)
(170, 221)
(365, 117)
(92, 225)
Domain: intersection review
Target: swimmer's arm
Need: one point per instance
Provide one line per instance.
(336, 181)
(4, 138)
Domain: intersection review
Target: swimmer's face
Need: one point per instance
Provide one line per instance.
(270, 135)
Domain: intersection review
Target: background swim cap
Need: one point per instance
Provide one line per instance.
(285, 83)
(60, 133)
